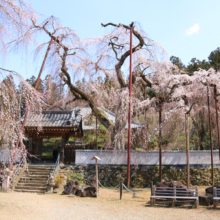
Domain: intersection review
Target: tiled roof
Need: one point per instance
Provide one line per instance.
(54, 119)
(86, 112)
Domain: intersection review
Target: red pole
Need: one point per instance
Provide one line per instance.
(28, 107)
(210, 133)
(160, 140)
(187, 147)
(146, 120)
(216, 112)
(129, 113)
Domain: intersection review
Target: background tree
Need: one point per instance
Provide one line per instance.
(177, 61)
(214, 59)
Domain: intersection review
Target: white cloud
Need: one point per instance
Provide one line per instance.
(193, 30)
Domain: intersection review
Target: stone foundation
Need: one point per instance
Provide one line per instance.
(141, 176)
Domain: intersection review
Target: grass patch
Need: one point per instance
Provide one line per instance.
(76, 176)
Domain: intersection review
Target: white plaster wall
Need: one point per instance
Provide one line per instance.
(146, 157)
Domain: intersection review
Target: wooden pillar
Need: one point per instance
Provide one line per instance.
(30, 147)
(37, 148)
(65, 138)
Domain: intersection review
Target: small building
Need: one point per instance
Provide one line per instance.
(64, 124)
(70, 151)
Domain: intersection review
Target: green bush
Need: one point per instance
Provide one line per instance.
(76, 176)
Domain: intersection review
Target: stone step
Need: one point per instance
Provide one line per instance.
(34, 182)
(30, 191)
(37, 176)
(31, 187)
(40, 167)
(33, 179)
(40, 170)
(43, 184)
(37, 172)
(33, 170)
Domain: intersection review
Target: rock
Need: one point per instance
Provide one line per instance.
(55, 191)
(206, 200)
(163, 184)
(178, 184)
(89, 192)
(79, 192)
(71, 187)
(209, 190)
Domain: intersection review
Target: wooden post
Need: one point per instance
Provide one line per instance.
(214, 195)
(30, 148)
(197, 201)
(97, 178)
(121, 189)
(62, 150)
(174, 194)
(96, 173)
(65, 138)
(151, 186)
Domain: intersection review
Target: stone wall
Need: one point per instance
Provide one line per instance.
(141, 176)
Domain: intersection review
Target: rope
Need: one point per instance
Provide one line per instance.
(124, 187)
(108, 188)
(127, 188)
(132, 191)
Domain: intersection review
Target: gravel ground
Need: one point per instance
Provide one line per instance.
(32, 206)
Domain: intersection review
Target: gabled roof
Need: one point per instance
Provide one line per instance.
(85, 112)
(63, 119)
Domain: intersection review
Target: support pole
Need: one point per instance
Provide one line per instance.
(96, 133)
(216, 112)
(187, 147)
(210, 132)
(160, 140)
(97, 179)
(28, 107)
(129, 113)
(121, 189)
(96, 174)
(146, 121)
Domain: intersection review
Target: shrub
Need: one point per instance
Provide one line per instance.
(58, 181)
(76, 176)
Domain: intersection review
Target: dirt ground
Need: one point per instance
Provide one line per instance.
(32, 206)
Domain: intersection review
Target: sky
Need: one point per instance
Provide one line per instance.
(185, 29)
